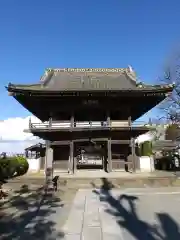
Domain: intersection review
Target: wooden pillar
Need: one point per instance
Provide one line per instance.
(72, 120)
(71, 157)
(109, 155)
(50, 122)
(30, 124)
(109, 144)
(133, 154)
(129, 121)
(108, 119)
(49, 162)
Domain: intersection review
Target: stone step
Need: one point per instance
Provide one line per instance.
(119, 183)
(76, 183)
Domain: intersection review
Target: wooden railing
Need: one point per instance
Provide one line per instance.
(84, 125)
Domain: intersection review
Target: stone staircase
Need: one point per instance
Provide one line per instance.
(120, 180)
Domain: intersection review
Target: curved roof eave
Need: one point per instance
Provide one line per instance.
(38, 89)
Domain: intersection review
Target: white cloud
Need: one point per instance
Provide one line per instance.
(14, 139)
(12, 135)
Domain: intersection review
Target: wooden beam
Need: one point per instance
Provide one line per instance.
(60, 143)
(120, 141)
(92, 139)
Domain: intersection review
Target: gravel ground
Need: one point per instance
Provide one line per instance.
(27, 213)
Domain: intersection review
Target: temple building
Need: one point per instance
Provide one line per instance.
(88, 116)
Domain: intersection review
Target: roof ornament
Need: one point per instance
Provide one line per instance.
(47, 76)
(130, 68)
(139, 85)
(131, 73)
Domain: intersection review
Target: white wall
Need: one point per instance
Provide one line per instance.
(34, 164)
(146, 164)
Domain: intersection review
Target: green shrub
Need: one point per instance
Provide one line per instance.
(3, 169)
(7, 167)
(146, 148)
(140, 149)
(22, 166)
(13, 166)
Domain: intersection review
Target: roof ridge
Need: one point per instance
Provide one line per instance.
(50, 71)
(86, 69)
(110, 70)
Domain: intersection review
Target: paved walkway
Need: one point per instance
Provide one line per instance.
(143, 214)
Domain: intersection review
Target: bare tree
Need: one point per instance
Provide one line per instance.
(172, 132)
(171, 76)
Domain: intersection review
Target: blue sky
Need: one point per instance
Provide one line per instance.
(35, 35)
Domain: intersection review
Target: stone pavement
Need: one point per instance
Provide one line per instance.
(129, 214)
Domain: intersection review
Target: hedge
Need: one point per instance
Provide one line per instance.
(146, 148)
(12, 166)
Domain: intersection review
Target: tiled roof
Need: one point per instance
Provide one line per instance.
(89, 80)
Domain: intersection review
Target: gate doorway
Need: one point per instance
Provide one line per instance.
(90, 155)
(120, 157)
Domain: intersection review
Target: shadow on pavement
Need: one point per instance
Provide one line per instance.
(29, 215)
(168, 228)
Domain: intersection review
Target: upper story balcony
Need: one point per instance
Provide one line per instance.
(87, 125)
